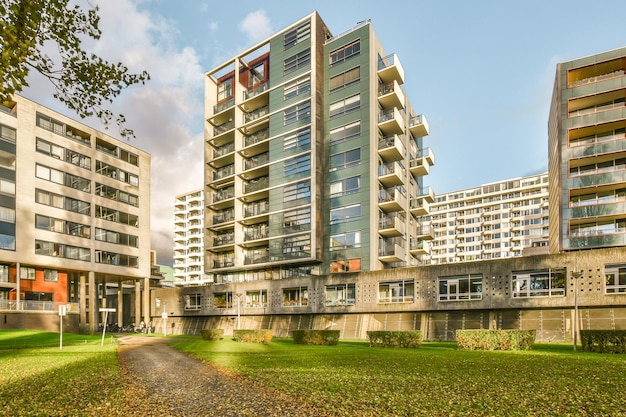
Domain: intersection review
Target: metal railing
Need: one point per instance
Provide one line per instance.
(29, 305)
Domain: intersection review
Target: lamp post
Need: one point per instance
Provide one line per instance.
(576, 275)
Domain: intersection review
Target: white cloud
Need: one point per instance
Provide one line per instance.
(256, 26)
(212, 26)
(166, 113)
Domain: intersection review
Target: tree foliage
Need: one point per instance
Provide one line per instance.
(83, 81)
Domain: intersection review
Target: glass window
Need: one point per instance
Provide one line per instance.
(345, 186)
(299, 219)
(347, 240)
(193, 301)
(297, 87)
(7, 186)
(295, 36)
(340, 295)
(295, 297)
(295, 113)
(346, 52)
(345, 79)
(51, 275)
(256, 299)
(345, 159)
(301, 138)
(346, 132)
(540, 283)
(615, 279)
(299, 60)
(297, 191)
(223, 300)
(462, 287)
(345, 105)
(297, 165)
(225, 89)
(345, 214)
(396, 292)
(4, 273)
(27, 272)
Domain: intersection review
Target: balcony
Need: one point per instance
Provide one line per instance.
(256, 235)
(224, 239)
(419, 246)
(223, 175)
(390, 122)
(223, 155)
(223, 217)
(419, 207)
(255, 120)
(424, 232)
(392, 224)
(256, 166)
(255, 97)
(223, 198)
(420, 166)
(223, 128)
(389, 251)
(427, 194)
(390, 69)
(391, 148)
(223, 263)
(391, 95)
(256, 189)
(392, 199)
(224, 105)
(256, 143)
(391, 174)
(256, 212)
(418, 126)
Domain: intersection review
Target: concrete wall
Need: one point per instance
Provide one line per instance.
(45, 321)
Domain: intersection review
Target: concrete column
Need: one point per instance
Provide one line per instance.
(146, 300)
(82, 303)
(120, 304)
(93, 303)
(17, 287)
(137, 302)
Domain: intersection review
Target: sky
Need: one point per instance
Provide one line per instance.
(482, 73)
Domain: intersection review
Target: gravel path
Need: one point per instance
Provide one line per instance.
(163, 381)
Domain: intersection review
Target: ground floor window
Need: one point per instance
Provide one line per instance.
(396, 291)
(340, 295)
(256, 299)
(295, 297)
(223, 300)
(539, 283)
(461, 287)
(615, 279)
(193, 301)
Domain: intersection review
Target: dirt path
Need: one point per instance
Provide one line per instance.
(163, 381)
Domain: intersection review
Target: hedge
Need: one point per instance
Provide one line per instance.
(603, 341)
(315, 337)
(483, 339)
(406, 339)
(212, 334)
(253, 336)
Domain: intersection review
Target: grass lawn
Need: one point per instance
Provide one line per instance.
(352, 379)
(39, 379)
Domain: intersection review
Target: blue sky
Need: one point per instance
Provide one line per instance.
(482, 72)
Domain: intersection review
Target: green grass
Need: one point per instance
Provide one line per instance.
(352, 379)
(39, 379)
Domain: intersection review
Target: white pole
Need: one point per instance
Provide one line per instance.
(60, 332)
(104, 327)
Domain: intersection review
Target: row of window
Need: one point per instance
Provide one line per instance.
(525, 284)
(61, 250)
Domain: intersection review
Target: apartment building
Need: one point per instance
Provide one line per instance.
(491, 221)
(587, 141)
(314, 158)
(74, 218)
(189, 239)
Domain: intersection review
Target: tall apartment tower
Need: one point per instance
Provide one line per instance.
(189, 239)
(74, 215)
(587, 153)
(496, 220)
(314, 158)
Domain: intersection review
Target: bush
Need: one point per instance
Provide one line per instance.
(603, 341)
(407, 339)
(253, 336)
(212, 334)
(316, 337)
(484, 339)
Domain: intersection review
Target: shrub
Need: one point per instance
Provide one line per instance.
(603, 341)
(212, 334)
(316, 337)
(253, 336)
(483, 339)
(406, 339)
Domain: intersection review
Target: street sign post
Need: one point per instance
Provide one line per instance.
(106, 319)
(62, 312)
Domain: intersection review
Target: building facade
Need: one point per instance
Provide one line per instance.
(314, 158)
(497, 220)
(189, 239)
(74, 218)
(587, 148)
